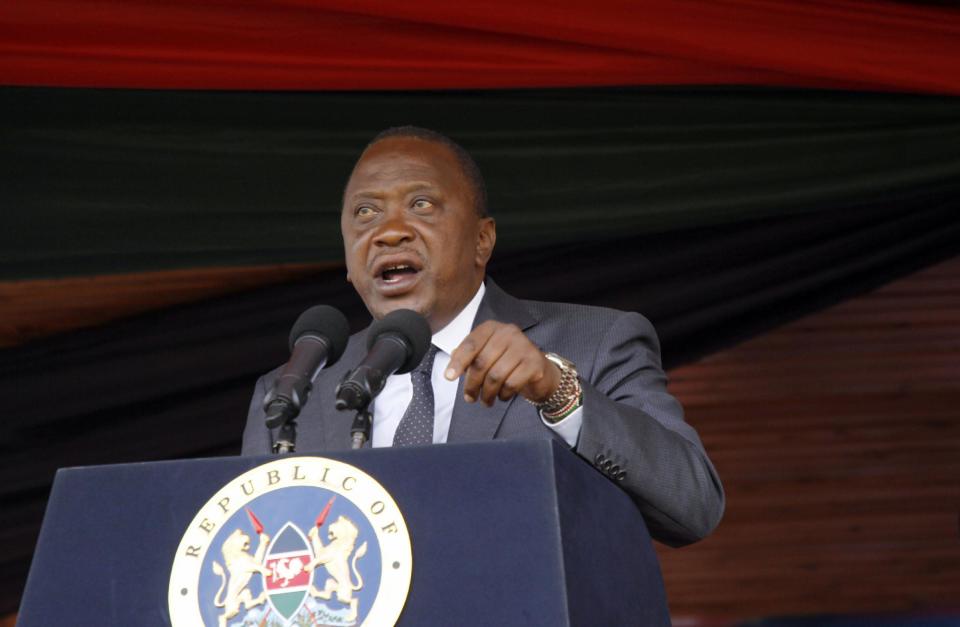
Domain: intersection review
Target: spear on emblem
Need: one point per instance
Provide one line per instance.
(326, 510)
(258, 556)
(257, 525)
(317, 544)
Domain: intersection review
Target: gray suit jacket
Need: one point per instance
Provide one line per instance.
(633, 429)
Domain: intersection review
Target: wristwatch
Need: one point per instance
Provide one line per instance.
(568, 396)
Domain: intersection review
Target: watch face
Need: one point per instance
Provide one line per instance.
(560, 361)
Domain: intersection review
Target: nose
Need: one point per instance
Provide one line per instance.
(394, 232)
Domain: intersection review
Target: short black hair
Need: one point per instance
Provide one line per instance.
(469, 167)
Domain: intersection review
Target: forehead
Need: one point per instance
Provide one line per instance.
(397, 161)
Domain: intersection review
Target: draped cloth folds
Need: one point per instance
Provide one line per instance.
(434, 44)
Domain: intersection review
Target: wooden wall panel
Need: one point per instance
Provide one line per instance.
(837, 438)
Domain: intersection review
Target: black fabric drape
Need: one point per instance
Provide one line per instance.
(176, 383)
(106, 181)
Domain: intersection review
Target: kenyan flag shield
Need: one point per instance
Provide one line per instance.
(287, 558)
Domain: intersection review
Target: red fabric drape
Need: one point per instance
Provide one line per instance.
(371, 44)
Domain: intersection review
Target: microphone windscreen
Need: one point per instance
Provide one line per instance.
(411, 326)
(325, 321)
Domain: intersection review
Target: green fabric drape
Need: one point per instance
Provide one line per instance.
(104, 181)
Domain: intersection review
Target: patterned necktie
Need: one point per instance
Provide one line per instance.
(416, 426)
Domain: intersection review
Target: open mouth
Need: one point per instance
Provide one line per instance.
(397, 273)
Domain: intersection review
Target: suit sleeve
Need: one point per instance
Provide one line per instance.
(256, 437)
(634, 431)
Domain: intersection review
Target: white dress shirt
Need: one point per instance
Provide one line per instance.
(391, 403)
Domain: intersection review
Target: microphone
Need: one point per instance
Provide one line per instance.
(318, 338)
(395, 344)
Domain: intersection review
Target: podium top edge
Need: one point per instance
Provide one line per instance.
(519, 446)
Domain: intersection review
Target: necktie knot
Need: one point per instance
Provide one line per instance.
(426, 365)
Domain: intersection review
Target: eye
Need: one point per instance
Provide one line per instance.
(364, 212)
(422, 204)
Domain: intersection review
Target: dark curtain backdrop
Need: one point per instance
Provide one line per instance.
(718, 214)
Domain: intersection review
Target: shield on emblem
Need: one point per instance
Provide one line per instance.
(287, 558)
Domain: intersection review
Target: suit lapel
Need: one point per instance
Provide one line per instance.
(472, 422)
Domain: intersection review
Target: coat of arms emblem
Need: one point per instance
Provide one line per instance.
(298, 541)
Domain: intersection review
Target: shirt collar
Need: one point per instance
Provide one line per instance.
(450, 336)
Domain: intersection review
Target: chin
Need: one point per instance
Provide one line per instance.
(383, 307)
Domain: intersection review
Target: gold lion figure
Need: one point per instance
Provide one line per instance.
(241, 566)
(334, 557)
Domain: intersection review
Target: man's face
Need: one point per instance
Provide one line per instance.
(411, 236)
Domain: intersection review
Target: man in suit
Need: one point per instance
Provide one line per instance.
(417, 235)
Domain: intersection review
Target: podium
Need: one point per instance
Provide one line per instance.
(502, 533)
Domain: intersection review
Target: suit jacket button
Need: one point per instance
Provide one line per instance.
(614, 470)
(599, 459)
(606, 465)
(621, 475)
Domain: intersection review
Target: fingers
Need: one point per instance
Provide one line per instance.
(463, 355)
(486, 368)
(520, 378)
(497, 361)
(493, 381)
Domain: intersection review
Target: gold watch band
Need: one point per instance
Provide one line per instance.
(567, 396)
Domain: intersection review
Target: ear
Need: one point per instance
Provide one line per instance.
(486, 239)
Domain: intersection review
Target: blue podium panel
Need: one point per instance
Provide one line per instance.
(502, 533)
